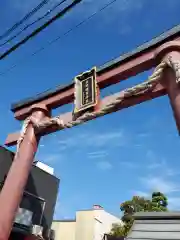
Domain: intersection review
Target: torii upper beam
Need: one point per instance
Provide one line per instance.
(141, 59)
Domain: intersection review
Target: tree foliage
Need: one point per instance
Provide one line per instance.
(157, 203)
(117, 230)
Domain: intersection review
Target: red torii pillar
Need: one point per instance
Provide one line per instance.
(169, 80)
(12, 191)
(173, 89)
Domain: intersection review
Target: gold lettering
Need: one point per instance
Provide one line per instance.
(86, 94)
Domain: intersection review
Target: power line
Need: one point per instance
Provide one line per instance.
(26, 17)
(59, 37)
(34, 22)
(38, 30)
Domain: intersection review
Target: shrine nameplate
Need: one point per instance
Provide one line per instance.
(85, 91)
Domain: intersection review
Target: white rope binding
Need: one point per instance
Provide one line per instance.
(23, 132)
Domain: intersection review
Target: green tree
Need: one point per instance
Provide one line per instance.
(158, 202)
(117, 230)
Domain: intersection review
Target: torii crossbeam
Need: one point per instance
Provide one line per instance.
(141, 59)
(163, 50)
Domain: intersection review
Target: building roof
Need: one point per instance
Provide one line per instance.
(155, 226)
(64, 220)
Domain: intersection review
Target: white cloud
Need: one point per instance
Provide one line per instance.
(154, 165)
(158, 163)
(104, 165)
(159, 176)
(140, 193)
(94, 139)
(138, 145)
(129, 164)
(144, 134)
(95, 145)
(164, 168)
(105, 138)
(164, 185)
(97, 154)
(174, 203)
(51, 158)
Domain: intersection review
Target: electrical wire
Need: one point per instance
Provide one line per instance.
(26, 17)
(59, 37)
(39, 29)
(34, 22)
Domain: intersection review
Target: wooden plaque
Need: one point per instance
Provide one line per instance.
(85, 91)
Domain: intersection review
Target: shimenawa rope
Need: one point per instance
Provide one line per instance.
(133, 91)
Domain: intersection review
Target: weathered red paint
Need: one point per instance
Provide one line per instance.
(113, 76)
(141, 62)
(165, 49)
(172, 87)
(13, 188)
(132, 67)
(158, 91)
(122, 72)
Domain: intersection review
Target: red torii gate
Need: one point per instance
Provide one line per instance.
(164, 49)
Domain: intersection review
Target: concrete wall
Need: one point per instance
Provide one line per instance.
(89, 225)
(84, 225)
(103, 223)
(64, 230)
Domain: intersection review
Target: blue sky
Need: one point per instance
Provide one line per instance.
(105, 161)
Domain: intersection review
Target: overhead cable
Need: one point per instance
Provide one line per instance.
(34, 22)
(28, 15)
(58, 38)
(39, 29)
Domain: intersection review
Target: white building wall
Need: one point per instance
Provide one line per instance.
(84, 225)
(64, 230)
(103, 222)
(89, 225)
(45, 167)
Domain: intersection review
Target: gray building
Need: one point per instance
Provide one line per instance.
(155, 226)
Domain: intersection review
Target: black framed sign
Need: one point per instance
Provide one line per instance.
(85, 91)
